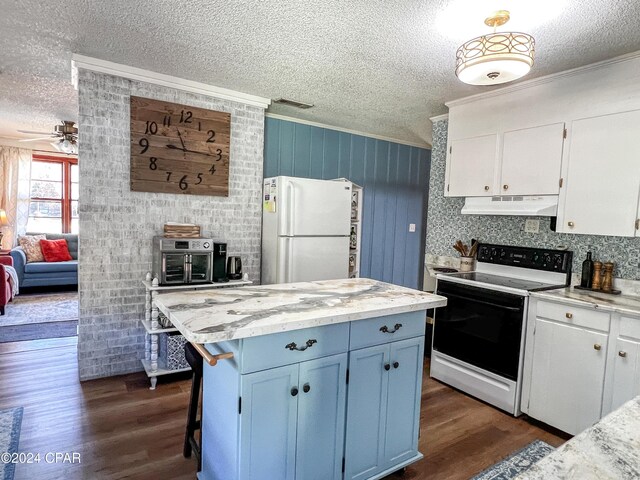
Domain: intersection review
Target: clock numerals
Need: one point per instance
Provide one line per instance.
(199, 126)
(152, 163)
(199, 179)
(144, 143)
(166, 121)
(218, 155)
(183, 183)
(168, 175)
(185, 116)
(152, 128)
(212, 170)
(212, 136)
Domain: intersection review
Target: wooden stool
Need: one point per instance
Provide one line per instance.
(190, 444)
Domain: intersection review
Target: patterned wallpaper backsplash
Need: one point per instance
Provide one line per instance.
(445, 224)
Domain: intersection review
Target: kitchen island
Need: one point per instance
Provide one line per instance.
(325, 377)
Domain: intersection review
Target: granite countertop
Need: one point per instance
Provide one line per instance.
(625, 304)
(212, 316)
(608, 450)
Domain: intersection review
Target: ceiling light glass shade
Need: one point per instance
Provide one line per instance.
(67, 146)
(495, 58)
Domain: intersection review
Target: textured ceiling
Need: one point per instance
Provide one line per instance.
(381, 67)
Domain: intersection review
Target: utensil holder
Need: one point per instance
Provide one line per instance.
(467, 264)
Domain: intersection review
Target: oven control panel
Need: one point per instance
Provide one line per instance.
(536, 258)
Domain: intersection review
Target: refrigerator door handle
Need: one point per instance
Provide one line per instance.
(291, 196)
(289, 260)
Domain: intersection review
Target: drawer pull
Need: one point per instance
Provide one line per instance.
(597, 346)
(292, 346)
(387, 366)
(622, 353)
(396, 364)
(306, 387)
(571, 224)
(486, 188)
(506, 187)
(385, 329)
(569, 315)
(294, 391)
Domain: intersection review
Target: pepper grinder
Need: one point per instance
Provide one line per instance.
(607, 282)
(596, 283)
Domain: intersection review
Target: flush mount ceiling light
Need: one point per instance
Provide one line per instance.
(498, 57)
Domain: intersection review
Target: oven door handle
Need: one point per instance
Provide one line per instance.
(484, 302)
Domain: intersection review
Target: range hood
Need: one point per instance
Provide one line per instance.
(538, 206)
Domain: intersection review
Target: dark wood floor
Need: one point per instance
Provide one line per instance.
(124, 430)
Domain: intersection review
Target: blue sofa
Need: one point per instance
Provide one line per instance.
(44, 274)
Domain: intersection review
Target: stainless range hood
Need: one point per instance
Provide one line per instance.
(538, 206)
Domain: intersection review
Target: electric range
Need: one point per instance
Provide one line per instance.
(478, 338)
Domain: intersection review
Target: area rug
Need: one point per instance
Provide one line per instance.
(37, 331)
(516, 463)
(41, 308)
(10, 423)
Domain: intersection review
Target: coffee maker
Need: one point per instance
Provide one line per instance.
(219, 262)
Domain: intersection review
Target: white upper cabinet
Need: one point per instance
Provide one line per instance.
(471, 166)
(602, 176)
(531, 160)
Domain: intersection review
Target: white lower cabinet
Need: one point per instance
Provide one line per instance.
(568, 375)
(625, 383)
(580, 364)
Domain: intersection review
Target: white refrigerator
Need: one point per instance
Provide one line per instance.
(305, 229)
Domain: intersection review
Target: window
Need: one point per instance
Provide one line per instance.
(54, 195)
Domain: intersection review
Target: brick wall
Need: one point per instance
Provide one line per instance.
(116, 224)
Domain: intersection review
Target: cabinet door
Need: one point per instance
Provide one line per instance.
(321, 414)
(531, 160)
(626, 372)
(403, 400)
(567, 378)
(471, 167)
(366, 407)
(603, 177)
(268, 424)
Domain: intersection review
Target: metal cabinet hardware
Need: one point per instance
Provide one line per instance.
(568, 315)
(571, 224)
(597, 346)
(387, 366)
(396, 364)
(292, 346)
(486, 188)
(622, 353)
(506, 187)
(306, 387)
(385, 329)
(294, 391)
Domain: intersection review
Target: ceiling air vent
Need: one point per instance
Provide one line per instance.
(292, 103)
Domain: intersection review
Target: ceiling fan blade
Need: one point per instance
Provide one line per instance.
(35, 133)
(36, 139)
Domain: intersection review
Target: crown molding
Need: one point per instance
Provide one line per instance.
(141, 75)
(438, 118)
(346, 130)
(546, 79)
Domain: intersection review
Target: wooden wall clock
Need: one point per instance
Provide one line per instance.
(178, 148)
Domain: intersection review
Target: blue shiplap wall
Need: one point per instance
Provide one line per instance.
(395, 178)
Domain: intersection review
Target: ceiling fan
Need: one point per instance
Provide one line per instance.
(65, 137)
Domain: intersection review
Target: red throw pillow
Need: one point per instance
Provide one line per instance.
(55, 250)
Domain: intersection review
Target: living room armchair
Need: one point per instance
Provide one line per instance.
(6, 292)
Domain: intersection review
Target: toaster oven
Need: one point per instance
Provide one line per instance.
(178, 261)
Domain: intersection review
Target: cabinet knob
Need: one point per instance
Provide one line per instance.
(396, 364)
(486, 188)
(387, 366)
(294, 391)
(597, 346)
(306, 388)
(506, 187)
(568, 315)
(622, 353)
(571, 224)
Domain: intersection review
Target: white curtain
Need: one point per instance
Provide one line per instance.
(15, 174)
